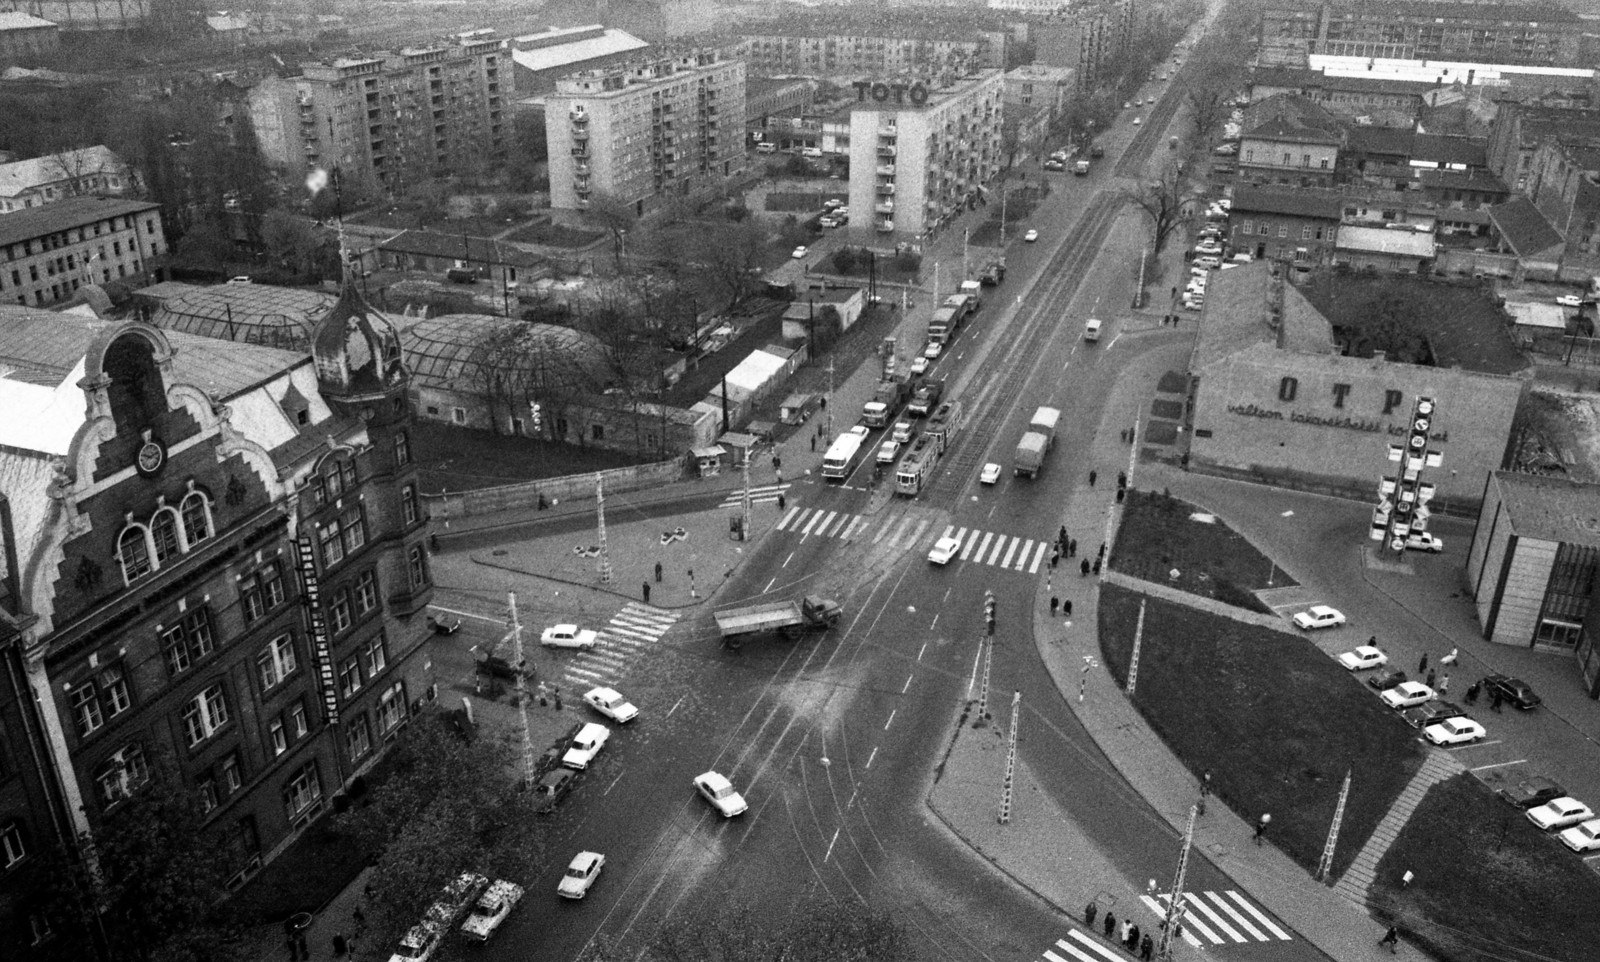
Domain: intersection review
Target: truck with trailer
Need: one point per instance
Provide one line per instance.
(886, 400)
(1037, 442)
(947, 319)
(791, 618)
(925, 398)
(840, 458)
(993, 272)
(974, 290)
(917, 467)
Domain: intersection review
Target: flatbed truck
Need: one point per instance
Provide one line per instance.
(790, 618)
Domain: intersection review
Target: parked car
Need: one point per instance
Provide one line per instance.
(717, 790)
(1318, 616)
(1570, 300)
(1406, 694)
(1454, 731)
(1031, 236)
(586, 745)
(1054, 165)
(1364, 657)
(419, 943)
(800, 252)
(944, 549)
(1559, 813)
(551, 789)
(568, 636)
(1387, 679)
(1512, 690)
(491, 909)
(1423, 541)
(1226, 150)
(990, 473)
(608, 702)
(1431, 713)
(932, 350)
(581, 874)
(1583, 837)
(1532, 791)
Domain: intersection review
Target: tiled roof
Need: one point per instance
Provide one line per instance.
(17, 20)
(63, 214)
(1283, 129)
(1238, 317)
(1523, 227)
(449, 351)
(1309, 202)
(1550, 509)
(482, 250)
(1472, 179)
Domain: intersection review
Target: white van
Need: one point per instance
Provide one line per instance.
(1091, 330)
(813, 152)
(766, 148)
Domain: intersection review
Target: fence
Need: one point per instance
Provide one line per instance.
(525, 495)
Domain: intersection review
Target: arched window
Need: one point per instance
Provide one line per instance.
(196, 518)
(164, 533)
(133, 550)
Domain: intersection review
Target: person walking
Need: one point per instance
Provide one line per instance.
(647, 592)
(658, 572)
(1111, 923)
(1055, 556)
(1102, 549)
(1083, 568)
(1472, 692)
(1444, 685)
(1422, 665)
(1072, 548)
(782, 503)
(1097, 566)
(1122, 933)
(1091, 478)
(1494, 699)
(1433, 676)
(1054, 604)
(1066, 608)
(1061, 537)
(1089, 912)
(1261, 826)
(813, 444)
(1449, 659)
(1391, 938)
(1146, 946)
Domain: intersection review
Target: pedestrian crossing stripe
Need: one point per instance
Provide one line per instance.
(903, 532)
(1208, 904)
(635, 626)
(762, 494)
(1082, 949)
(1019, 554)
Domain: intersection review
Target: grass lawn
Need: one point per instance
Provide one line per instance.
(1212, 560)
(1488, 885)
(555, 235)
(1276, 721)
(462, 459)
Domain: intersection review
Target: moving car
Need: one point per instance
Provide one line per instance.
(608, 702)
(932, 350)
(888, 451)
(1031, 236)
(581, 873)
(1454, 731)
(568, 636)
(1386, 679)
(1559, 813)
(1364, 657)
(1318, 616)
(586, 745)
(1406, 694)
(944, 549)
(1583, 837)
(990, 473)
(827, 220)
(1432, 713)
(1569, 300)
(552, 788)
(1512, 690)
(799, 252)
(919, 365)
(1535, 790)
(1423, 541)
(491, 909)
(720, 793)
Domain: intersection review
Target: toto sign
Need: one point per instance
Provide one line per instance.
(915, 93)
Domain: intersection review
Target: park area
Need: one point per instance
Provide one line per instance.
(1175, 543)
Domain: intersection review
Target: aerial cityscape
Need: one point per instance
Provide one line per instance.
(805, 480)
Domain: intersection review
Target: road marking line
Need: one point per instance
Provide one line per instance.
(1015, 542)
(1001, 543)
(806, 531)
(467, 614)
(922, 526)
(675, 705)
(982, 547)
(1190, 921)
(921, 650)
(883, 529)
(1038, 556)
(908, 684)
(1199, 905)
(891, 719)
(1071, 950)
(838, 529)
(1484, 768)
(1022, 559)
(871, 757)
(1092, 945)
(966, 546)
(1266, 923)
(1243, 922)
(830, 845)
(788, 517)
(947, 529)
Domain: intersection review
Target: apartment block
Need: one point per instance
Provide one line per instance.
(48, 253)
(921, 150)
(1508, 33)
(390, 121)
(647, 132)
(862, 49)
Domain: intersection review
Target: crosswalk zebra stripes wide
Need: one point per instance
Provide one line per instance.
(630, 630)
(904, 532)
(1206, 914)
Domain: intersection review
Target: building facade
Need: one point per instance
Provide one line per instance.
(388, 122)
(921, 151)
(770, 50)
(48, 253)
(24, 37)
(1298, 227)
(1511, 33)
(645, 133)
(72, 173)
(540, 59)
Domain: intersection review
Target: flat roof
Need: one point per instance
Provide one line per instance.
(585, 45)
(64, 214)
(1550, 509)
(1381, 240)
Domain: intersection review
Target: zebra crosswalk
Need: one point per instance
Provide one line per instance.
(759, 494)
(1203, 917)
(628, 632)
(906, 531)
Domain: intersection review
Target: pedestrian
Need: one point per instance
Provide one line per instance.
(1472, 692)
(1150, 888)
(1449, 659)
(1261, 826)
(1102, 549)
(1123, 930)
(658, 572)
(340, 946)
(1133, 938)
(1122, 479)
(1121, 494)
(1072, 548)
(1097, 566)
(1373, 641)
(1433, 676)
(1066, 608)
(782, 503)
(1054, 604)
(1111, 923)
(1083, 568)
(1422, 665)
(777, 463)
(1391, 938)
(1091, 479)
(647, 592)
(1055, 556)
(1062, 536)
(360, 919)
(1133, 432)
(1444, 685)
(1494, 699)
(813, 443)
(1089, 912)
(1146, 946)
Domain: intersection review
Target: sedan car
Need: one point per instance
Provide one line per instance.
(1318, 616)
(586, 745)
(491, 909)
(1054, 165)
(1127, 105)
(888, 451)
(1387, 679)
(1559, 813)
(944, 549)
(1136, 121)
(919, 365)
(1569, 300)
(800, 252)
(1431, 713)
(552, 788)
(568, 636)
(1513, 690)
(1031, 236)
(1532, 791)
(1406, 694)
(990, 473)
(1423, 541)
(1363, 658)
(581, 873)
(932, 350)
(717, 790)
(1454, 731)
(1583, 837)
(902, 431)
(608, 702)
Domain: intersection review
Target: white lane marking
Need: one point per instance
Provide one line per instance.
(784, 524)
(1266, 923)
(891, 719)
(806, 531)
(922, 526)
(1038, 556)
(1001, 543)
(1484, 768)
(1092, 945)
(1161, 913)
(1199, 905)
(982, 547)
(872, 756)
(1015, 543)
(1242, 922)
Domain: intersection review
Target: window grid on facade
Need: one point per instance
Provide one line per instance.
(341, 536)
(302, 795)
(122, 773)
(188, 641)
(392, 707)
(359, 737)
(12, 844)
(375, 656)
(408, 503)
(205, 714)
(366, 593)
(277, 661)
(261, 590)
(417, 563)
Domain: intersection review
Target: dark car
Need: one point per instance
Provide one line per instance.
(462, 275)
(1431, 713)
(1532, 791)
(552, 788)
(1387, 679)
(552, 755)
(1097, 151)
(1512, 690)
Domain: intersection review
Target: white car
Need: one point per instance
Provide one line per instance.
(1318, 616)
(1569, 300)
(1136, 121)
(1406, 694)
(1454, 731)
(1363, 658)
(932, 350)
(919, 365)
(799, 252)
(568, 636)
(586, 745)
(990, 473)
(581, 873)
(610, 703)
(944, 549)
(1127, 105)
(1031, 236)
(902, 431)
(1423, 541)
(888, 451)
(1560, 813)
(1149, 100)
(719, 792)
(491, 909)
(1584, 837)
(419, 943)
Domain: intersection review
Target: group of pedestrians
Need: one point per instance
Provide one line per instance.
(1138, 944)
(1440, 683)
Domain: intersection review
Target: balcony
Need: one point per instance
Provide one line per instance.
(885, 190)
(885, 226)
(886, 151)
(886, 170)
(580, 169)
(578, 116)
(580, 134)
(885, 207)
(582, 153)
(888, 131)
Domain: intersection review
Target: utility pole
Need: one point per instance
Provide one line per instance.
(1326, 865)
(1008, 788)
(830, 399)
(522, 689)
(1172, 924)
(744, 525)
(600, 511)
(1003, 213)
(966, 239)
(1133, 663)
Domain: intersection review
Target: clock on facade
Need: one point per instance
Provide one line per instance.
(152, 456)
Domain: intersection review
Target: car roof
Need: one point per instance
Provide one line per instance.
(563, 627)
(713, 780)
(1365, 649)
(1323, 610)
(947, 540)
(584, 859)
(603, 692)
(593, 728)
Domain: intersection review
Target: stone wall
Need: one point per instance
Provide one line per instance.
(525, 496)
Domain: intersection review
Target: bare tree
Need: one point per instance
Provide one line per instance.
(1207, 108)
(1163, 202)
(616, 217)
